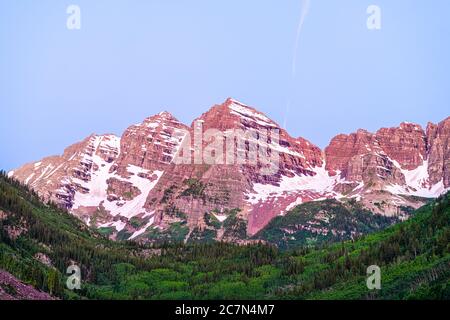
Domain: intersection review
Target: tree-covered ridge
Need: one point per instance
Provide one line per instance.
(414, 257)
(324, 221)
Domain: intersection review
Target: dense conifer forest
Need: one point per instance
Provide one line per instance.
(38, 241)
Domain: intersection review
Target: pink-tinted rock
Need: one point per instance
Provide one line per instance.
(107, 180)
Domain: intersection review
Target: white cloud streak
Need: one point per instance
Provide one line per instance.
(305, 4)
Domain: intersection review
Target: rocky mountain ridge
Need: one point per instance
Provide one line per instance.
(132, 187)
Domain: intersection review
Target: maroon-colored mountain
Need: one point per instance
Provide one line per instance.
(152, 179)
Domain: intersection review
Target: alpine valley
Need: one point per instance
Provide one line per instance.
(38, 242)
(139, 225)
(129, 187)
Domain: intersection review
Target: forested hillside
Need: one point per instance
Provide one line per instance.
(38, 242)
(326, 221)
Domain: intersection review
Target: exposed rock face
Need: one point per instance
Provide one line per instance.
(407, 144)
(439, 152)
(13, 289)
(156, 175)
(297, 157)
(151, 144)
(403, 160)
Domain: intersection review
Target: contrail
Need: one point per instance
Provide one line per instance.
(304, 12)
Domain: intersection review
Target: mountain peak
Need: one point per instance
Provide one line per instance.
(231, 100)
(410, 126)
(248, 113)
(156, 120)
(166, 115)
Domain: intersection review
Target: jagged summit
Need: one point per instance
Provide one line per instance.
(167, 115)
(233, 114)
(158, 119)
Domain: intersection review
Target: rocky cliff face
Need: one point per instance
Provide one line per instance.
(439, 152)
(378, 167)
(157, 181)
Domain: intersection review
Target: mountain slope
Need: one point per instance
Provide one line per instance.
(13, 289)
(38, 242)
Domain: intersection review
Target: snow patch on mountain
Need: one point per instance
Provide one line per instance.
(135, 206)
(97, 185)
(47, 168)
(321, 182)
(220, 217)
(297, 202)
(417, 183)
(244, 111)
(27, 180)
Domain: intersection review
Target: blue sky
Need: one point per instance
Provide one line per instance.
(134, 58)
